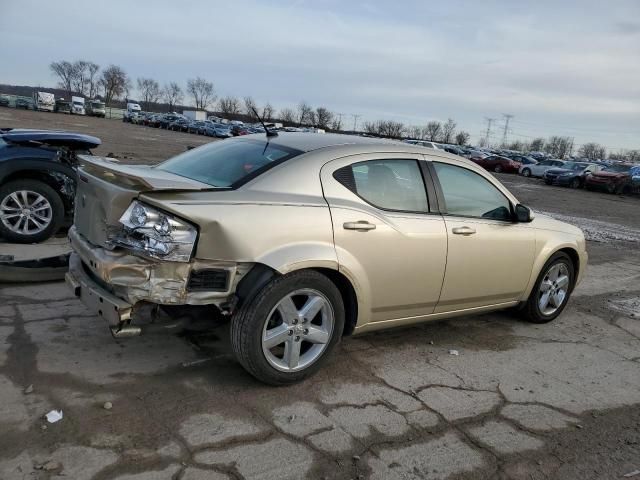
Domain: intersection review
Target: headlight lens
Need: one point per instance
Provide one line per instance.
(154, 233)
(566, 174)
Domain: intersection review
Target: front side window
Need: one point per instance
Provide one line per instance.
(468, 194)
(223, 164)
(387, 184)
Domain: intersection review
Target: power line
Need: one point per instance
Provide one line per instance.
(507, 117)
(488, 134)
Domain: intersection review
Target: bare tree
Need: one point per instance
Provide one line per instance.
(391, 129)
(115, 83)
(65, 71)
(559, 147)
(79, 78)
(267, 111)
(414, 132)
(229, 106)
(537, 145)
(202, 92)
(287, 115)
(323, 117)
(92, 79)
(626, 155)
(593, 151)
(433, 130)
(172, 95)
(448, 131)
(372, 128)
(462, 138)
(336, 124)
(304, 113)
(250, 108)
(149, 91)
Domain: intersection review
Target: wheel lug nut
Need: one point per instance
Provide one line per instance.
(290, 332)
(306, 331)
(295, 321)
(297, 339)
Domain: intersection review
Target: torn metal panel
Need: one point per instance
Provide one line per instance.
(136, 279)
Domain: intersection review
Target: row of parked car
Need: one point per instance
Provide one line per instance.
(610, 177)
(180, 123)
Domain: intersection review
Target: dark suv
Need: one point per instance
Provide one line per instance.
(38, 181)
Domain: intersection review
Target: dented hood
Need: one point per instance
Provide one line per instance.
(141, 177)
(79, 141)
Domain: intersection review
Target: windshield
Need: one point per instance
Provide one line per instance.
(97, 105)
(575, 166)
(618, 168)
(223, 164)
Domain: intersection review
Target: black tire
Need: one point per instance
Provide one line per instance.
(548, 182)
(575, 183)
(57, 210)
(497, 168)
(526, 172)
(531, 311)
(248, 323)
(611, 188)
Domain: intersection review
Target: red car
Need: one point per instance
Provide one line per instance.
(498, 164)
(613, 179)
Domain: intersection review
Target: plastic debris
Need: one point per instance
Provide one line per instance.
(632, 474)
(29, 389)
(454, 352)
(107, 405)
(54, 416)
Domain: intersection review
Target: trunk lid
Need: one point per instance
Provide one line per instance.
(106, 188)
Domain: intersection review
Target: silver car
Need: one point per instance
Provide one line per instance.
(539, 169)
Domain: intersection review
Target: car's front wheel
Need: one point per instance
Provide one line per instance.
(285, 333)
(497, 168)
(575, 183)
(552, 290)
(30, 211)
(526, 172)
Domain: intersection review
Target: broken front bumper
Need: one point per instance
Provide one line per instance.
(112, 282)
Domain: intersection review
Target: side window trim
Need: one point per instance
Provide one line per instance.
(424, 179)
(443, 205)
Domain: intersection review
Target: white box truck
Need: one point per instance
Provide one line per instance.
(77, 106)
(96, 108)
(195, 114)
(44, 101)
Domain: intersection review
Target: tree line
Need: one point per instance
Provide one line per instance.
(113, 83)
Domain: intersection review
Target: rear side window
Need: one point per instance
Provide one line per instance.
(395, 185)
(228, 163)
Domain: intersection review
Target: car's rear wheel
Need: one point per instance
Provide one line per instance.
(30, 211)
(497, 168)
(552, 290)
(526, 172)
(285, 333)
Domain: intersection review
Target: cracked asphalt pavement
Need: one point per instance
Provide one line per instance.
(519, 401)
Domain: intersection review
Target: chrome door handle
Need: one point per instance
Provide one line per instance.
(360, 225)
(463, 231)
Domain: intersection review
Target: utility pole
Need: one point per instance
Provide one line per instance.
(507, 117)
(340, 119)
(355, 120)
(486, 137)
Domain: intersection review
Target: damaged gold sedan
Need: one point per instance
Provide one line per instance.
(301, 239)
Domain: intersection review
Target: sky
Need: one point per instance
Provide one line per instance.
(561, 67)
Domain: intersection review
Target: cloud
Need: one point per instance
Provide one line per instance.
(411, 61)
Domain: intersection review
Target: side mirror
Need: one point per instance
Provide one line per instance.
(523, 214)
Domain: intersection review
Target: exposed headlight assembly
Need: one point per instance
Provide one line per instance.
(566, 174)
(154, 233)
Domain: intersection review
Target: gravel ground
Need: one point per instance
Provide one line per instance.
(520, 401)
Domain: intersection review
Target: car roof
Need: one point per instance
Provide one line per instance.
(307, 142)
(50, 137)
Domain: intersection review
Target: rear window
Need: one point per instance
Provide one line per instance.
(228, 163)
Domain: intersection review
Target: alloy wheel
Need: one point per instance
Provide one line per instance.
(26, 212)
(554, 289)
(298, 330)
